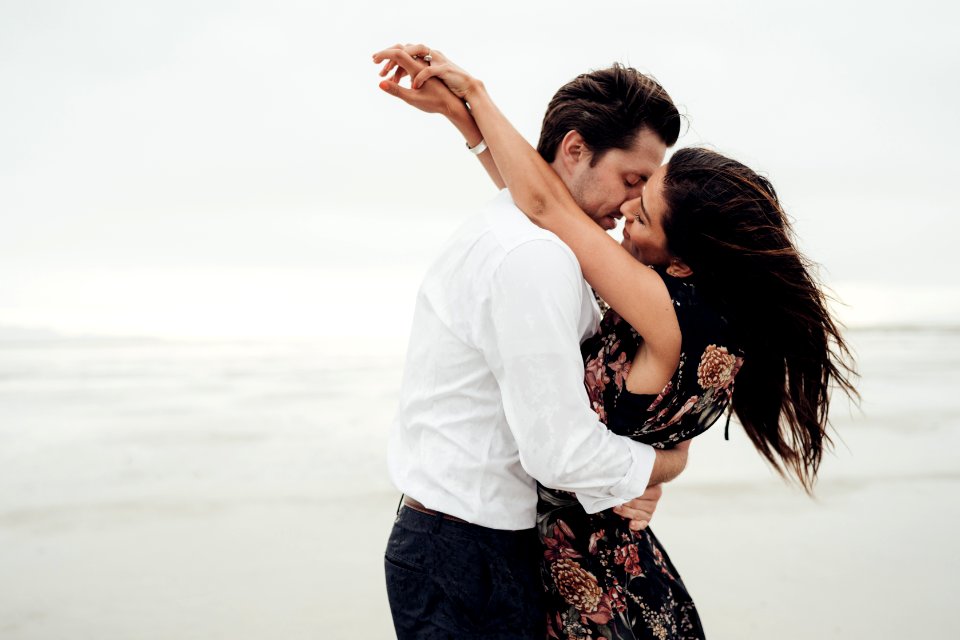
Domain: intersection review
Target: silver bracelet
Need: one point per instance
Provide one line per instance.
(477, 150)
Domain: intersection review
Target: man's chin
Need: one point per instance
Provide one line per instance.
(608, 223)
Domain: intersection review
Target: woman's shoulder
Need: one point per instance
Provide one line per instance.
(704, 324)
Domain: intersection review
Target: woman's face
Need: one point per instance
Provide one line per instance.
(643, 234)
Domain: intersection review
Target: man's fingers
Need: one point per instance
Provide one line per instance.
(633, 513)
(653, 492)
(380, 55)
(401, 58)
(387, 68)
(390, 55)
(395, 90)
(643, 503)
(639, 519)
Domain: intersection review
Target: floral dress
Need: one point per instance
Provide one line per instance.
(602, 579)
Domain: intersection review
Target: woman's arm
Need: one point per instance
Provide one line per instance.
(435, 97)
(631, 288)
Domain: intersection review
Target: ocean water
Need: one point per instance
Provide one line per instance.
(99, 420)
(158, 489)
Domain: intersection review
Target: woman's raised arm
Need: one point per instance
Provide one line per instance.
(434, 97)
(632, 289)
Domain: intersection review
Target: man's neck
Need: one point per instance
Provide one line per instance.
(558, 169)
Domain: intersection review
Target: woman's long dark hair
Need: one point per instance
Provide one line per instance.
(726, 223)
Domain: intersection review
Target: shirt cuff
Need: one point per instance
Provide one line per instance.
(631, 486)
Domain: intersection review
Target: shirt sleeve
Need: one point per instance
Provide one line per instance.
(535, 302)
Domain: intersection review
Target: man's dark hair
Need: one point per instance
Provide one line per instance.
(608, 108)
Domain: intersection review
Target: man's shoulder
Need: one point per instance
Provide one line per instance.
(514, 233)
(495, 236)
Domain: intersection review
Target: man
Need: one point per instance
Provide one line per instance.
(493, 396)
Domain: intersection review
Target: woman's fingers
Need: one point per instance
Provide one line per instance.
(437, 57)
(425, 74)
(409, 59)
(417, 50)
(456, 79)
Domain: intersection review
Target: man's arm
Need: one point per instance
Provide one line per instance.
(535, 305)
(640, 510)
(670, 463)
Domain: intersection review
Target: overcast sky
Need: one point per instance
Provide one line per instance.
(211, 168)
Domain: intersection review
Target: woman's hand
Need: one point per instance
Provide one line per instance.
(430, 97)
(422, 63)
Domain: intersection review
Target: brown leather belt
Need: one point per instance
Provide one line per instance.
(416, 506)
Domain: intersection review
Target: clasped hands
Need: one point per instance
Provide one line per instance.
(437, 86)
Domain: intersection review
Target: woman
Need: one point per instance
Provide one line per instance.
(744, 325)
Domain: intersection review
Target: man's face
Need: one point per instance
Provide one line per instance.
(618, 176)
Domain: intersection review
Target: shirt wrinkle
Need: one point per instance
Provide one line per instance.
(493, 381)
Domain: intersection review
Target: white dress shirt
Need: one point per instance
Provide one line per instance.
(492, 394)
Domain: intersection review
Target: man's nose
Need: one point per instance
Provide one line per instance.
(635, 191)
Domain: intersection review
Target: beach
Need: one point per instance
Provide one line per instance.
(170, 489)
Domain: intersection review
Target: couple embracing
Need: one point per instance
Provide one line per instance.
(533, 433)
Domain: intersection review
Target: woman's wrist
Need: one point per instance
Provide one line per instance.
(474, 89)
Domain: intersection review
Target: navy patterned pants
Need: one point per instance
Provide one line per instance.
(449, 579)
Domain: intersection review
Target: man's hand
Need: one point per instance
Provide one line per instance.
(669, 464)
(640, 510)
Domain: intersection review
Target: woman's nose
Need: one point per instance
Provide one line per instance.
(630, 207)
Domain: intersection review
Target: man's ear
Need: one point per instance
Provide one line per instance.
(679, 269)
(573, 150)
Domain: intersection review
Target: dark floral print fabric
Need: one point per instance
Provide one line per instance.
(602, 579)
